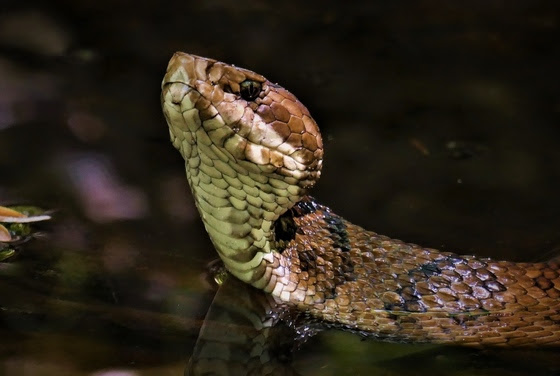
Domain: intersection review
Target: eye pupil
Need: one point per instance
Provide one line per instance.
(250, 90)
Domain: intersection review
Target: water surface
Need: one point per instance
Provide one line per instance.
(440, 128)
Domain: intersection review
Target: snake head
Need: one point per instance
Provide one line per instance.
(253, 125)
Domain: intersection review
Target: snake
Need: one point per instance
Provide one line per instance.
(252, 152)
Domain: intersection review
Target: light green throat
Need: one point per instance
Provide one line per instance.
(244, 172)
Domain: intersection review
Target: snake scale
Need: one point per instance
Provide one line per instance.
(252, 151)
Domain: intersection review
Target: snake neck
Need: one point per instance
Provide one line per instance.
(251, 151)
(237, 209)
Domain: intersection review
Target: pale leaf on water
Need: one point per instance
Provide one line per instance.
(22, 214)
(35, 218)
(7, 212)
(5, 235)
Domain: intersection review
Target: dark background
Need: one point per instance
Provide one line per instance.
(440, 121)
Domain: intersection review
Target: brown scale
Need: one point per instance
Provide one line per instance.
(338, 271)
(394, 290)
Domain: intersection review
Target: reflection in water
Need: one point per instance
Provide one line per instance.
(246, 332)
(243, 334)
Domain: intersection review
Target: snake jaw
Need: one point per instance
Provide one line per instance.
(275, 130)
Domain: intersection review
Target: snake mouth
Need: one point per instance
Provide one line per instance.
(178, 93)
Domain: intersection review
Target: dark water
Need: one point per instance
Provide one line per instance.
(441, 127)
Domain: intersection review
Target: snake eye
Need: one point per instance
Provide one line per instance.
(250, 90)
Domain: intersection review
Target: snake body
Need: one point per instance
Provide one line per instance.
(252, 152)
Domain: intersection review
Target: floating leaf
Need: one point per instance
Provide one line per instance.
(9, 212)
(22, 214)
(36, 218)
(5, 235)
(6, 253)
(15, 227)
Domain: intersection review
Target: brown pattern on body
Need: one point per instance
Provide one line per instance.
(252, 151)
(399, 291)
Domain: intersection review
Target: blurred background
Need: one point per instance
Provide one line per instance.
(441, 127)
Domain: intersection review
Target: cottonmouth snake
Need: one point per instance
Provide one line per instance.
(252, 151)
